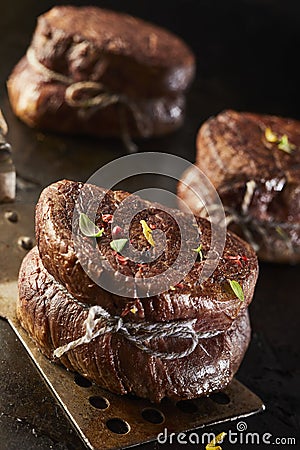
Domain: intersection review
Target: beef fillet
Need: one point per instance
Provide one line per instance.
(253, 161)
(212, 303)
(53, 318)
(139, 70)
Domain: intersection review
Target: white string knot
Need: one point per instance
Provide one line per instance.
(100, 100)
(99, 322)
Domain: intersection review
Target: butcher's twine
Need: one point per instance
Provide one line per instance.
(99, 322)
(99, 101)
(262, 228)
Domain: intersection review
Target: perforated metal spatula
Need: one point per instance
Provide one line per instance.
(102, 419)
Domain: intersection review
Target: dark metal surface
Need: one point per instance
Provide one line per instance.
(30, 417)
(246, 54)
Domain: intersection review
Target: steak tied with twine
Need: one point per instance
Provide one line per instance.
(100, 322)
(102, 100)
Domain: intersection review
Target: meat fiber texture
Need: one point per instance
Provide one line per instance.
(56, 296)
(257, 180)
(146, 66)
(212, 303)
(52, 319)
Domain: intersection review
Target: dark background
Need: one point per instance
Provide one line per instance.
(247, 59)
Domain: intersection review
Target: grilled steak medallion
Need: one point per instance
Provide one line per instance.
(77, 41)
(93, 71)
(42, 105)
(212, 303)
(53, 318)
(253, 161)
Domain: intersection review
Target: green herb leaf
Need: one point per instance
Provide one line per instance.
(147, 232)
(285, 145)
(134, 309)
(88, 228)
(282, 143)
(118, 244)
(199, 251)
(212, 445)
(270, 135)
(237, 289)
